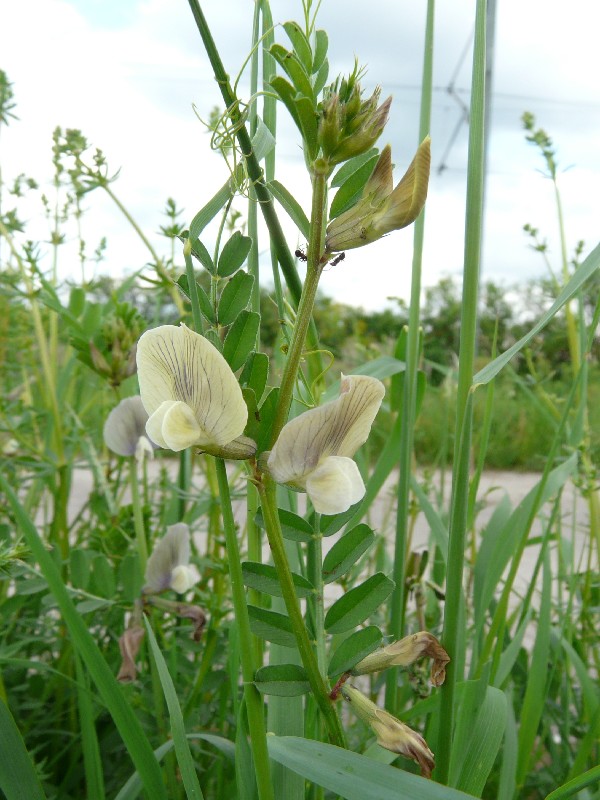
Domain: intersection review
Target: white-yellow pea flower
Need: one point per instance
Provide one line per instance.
(190, 393)
(125, 429)
(169, 565)
(313, 452)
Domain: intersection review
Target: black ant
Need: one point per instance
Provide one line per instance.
(303, 257)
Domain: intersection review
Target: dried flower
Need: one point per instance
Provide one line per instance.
(391, 733)
(313, 452)
(129, 644)
(405, 652)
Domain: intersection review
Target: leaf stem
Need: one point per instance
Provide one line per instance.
(409, 401)
(454, 623)
(138, 517)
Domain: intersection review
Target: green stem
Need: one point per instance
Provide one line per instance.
(267, 491)
(409, 403)
(315, 576)
(138, 517)
(307, 301)
(48, 376)
(193, 292)
(59, 530)
(453, 633)
(254, 703)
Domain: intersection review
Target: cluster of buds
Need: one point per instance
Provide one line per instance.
(392, 734)
(112, 355)
(348, 124)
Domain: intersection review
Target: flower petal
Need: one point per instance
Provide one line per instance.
(180, 427)
(172, 551)
(335, 485)
(155, 421)
(334, 429)
(125, 425)
(183, 578)
(176, 364)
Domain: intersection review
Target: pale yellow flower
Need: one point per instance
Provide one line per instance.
(190, 393)
(313, 452)
(168, 567)
(125, 429)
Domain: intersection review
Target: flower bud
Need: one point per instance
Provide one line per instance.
(348, 124)
(365, 129)
(391, 733)
(405, 652)
(382, 209)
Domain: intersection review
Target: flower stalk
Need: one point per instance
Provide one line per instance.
(267, 491)
(254, 703)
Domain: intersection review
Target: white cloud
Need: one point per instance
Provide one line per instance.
(128, 75)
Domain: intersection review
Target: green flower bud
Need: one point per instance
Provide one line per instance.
(348, 124)
(382, 209)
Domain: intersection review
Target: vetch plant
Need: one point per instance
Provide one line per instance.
(291, 607)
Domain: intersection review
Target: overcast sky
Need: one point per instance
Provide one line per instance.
(126, 72)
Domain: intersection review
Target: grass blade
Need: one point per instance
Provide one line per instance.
(574, 786)
(182, 748)
(579, 277)
(94, 777)
(481, 739)
(535, 694)
(18, 778)
(352, 776)
(133, 787)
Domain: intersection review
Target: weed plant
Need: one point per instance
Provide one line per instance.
(264, 661)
